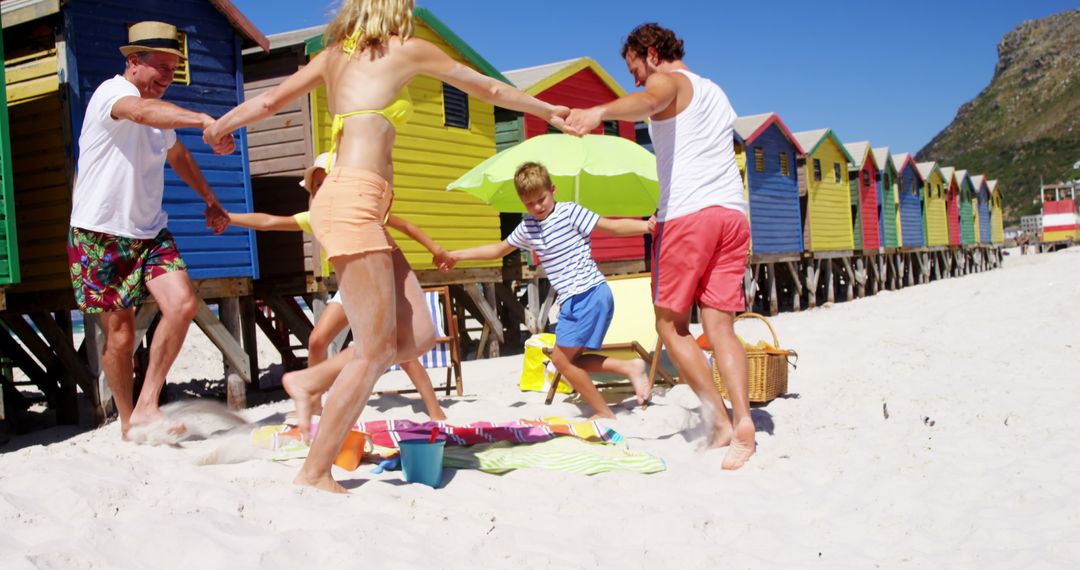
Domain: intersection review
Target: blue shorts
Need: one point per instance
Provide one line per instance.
(584, 318)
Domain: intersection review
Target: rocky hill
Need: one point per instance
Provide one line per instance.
(1026, 123)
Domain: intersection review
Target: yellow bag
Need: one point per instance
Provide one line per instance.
(535, 376)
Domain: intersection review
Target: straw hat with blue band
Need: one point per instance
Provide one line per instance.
(152, 36)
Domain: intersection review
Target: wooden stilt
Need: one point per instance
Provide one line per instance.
(223, 338)
(489, 296)
(61, 386)
(235, 385)
(770, 279)
(811, 283)
(249, 335)
(830, 282)
(94, 337)
(797, 286)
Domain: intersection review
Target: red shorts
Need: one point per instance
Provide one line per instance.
(701, 258)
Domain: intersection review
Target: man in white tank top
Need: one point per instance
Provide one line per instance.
(702, 235)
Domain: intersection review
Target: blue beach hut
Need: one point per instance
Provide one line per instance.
(772, 183)
(213, 34)
(909, 188)
(982, 198)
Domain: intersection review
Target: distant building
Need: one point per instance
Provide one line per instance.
(1031, 224)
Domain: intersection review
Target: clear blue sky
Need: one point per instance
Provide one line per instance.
(893, 76)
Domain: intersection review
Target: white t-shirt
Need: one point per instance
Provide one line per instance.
(695, 156)
(562, 243)
(121, 172)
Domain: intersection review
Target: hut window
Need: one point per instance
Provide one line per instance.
(817, 170)
(455, 107)
(785, 167)
(865, 178)
(611, 128)
(183, 71)
(836, 172)
(759, 159)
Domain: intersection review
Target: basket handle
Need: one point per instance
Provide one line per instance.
(776, 341)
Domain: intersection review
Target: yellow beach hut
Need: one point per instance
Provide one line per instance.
(997, 222)
(935, 220)
(823, 184)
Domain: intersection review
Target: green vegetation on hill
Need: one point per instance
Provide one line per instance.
(1026, 123)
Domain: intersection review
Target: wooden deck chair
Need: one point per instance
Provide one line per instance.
(633, 327)
(447, 351)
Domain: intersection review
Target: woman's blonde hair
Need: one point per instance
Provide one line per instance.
(377, 20)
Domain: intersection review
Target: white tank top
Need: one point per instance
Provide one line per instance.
(695, 154)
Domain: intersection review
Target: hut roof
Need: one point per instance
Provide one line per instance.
(978, 180)
(293, 38)
(948, 173)
(811, 140)
(901, 160)
(960, 176)
(882, 156)
(20, 11)
(926, 169)
(992, 184)
(750, 127)
(315, 44)
(859, 151)
(538, 78)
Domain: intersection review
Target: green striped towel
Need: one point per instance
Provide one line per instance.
(565, 454)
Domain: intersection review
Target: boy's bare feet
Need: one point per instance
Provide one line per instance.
(742, 445)
(322, 483)
(639, 379)
(304, 399)
(438, 416)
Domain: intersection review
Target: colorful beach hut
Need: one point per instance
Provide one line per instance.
(9, 252)
(982, 208)
(889, 220)
(863, 172)
(450, 132)
(966, 206)
(952, 204)
(575, 83)
(823, 182)
(910, 191)
(768, 154)
(57, 54)
(935, 222)
(279, 149)
(997, 223)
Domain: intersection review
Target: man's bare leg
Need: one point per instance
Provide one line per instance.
(175, 297)
(368, 294)
(633, 369)
(119, 329)
(730, 358)
(674, 329)
(565, 360)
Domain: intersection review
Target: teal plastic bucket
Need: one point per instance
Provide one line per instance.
(421, 462)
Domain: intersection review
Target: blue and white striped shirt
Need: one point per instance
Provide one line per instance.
(562, 243)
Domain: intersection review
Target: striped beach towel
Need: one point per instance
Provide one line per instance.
(386, 433)
(563, 454)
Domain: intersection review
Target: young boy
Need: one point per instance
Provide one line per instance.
(321, 372)
(559, 234)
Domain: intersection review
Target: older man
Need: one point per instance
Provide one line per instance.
(119, 248)
(702, 236)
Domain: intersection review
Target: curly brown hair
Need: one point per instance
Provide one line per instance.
(652, 35)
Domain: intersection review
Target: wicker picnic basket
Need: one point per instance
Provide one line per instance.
(768, 367)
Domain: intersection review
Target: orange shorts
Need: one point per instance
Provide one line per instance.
(349, 212)
(701, 258)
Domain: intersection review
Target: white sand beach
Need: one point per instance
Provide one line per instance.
(935, 426)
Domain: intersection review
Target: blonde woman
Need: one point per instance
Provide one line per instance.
(370, 58)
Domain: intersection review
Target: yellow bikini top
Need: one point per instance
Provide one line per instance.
(398, 112)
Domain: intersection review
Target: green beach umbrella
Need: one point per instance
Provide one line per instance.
(609, 175)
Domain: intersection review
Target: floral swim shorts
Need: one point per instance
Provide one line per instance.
(110, 273)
